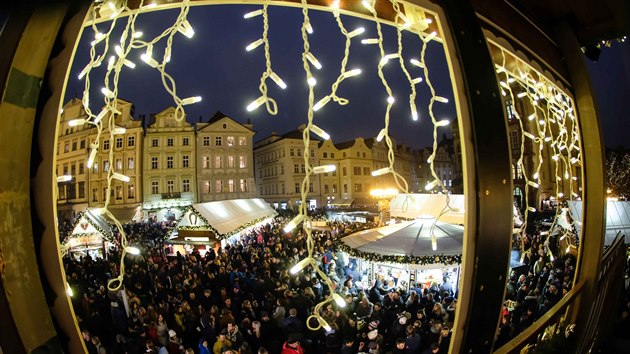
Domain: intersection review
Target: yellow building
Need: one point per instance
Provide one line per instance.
(403, 164)
(123, 154)
(280, 169)
(169, 168)
(224, 159)
(72, 154)
(350, 184)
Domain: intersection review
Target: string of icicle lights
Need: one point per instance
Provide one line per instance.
(130, 40)
(552, 129)
(117, 62)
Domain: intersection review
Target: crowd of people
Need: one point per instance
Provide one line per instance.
(242, 299)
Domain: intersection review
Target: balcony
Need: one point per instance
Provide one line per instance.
(174, 195)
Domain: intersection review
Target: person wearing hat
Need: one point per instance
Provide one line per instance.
(174, 345)
(222, 342)
(292, 346)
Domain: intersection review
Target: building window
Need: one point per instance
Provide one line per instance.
(81, 168)
(297, 187)
(170, 142)
(185, 185)
(230, 161)
(243, 183)
(82, 144)
(155, 187)
(218, 141)
(105, 145)
(66, 147)
(332, 155)
(296, 168)
(131, 192)
(206, 187)
(510, 109)
(326, 188)
(206, 141)
(357, 171)
(242, 141)
(292, 152)
(169, 161)
(281, 169)
(155, 143)
(119, 143)
(366, 171)
(74, 146)
(185, 161)
(231, 186)
(345, 171)
(344, 154)
(119, 164)
(325, 155)
(73, 170)
(131, 163)
(170, 186)
(283, 189)
(119, 193)
(218, 186)
(303, 169)
(94, 195)
(357, 187)
(131, 141)
(299, 152)
(345, 188)
(206, 162)
(106, 166)
(185, 141)
(334, 188)
(154, 163)
(312, 153)
(230, 141)
(218, 162)
(95, 167)
(242, 161)
(310, 187)
(358, 154)
(81, 190)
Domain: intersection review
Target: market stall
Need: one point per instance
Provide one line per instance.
(90, 235)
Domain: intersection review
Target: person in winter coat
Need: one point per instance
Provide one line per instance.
(222, 342)
(292, 346)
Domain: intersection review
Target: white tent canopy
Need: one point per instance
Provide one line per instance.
(429, 205)
(410, 238)
(226, 216)
(617, 219)
(88, 223)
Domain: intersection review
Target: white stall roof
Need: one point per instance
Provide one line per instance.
(617, 219)
(88, 223)
(430, 205)
(227, 216)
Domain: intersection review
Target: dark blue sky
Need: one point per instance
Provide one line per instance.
(215, 65)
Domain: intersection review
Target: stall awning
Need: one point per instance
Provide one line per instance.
(88, 223)
(226, 216)
(617, 219)
(429, 205)
(409, 239)
(126, 214)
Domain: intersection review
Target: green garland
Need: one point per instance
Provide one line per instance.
(401, 259)
(67, 235)
(249, 224)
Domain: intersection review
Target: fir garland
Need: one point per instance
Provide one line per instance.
(399, 259)
(68, 234)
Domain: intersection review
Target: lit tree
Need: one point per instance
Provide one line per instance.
(618, 173)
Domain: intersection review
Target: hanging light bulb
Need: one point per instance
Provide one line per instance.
(324, 324)
(311, 58)
(300, 265)
(256, 103)
(120, 177)
(414, 111)
(381, 135)
(386, 58)
(311, 81)
(69, 290)
(324, 169)
(278, 80)
(191, 100)
(417, 63)
(186, 29)
(319, 132)
(390, 99)
(253, 14)
(381, 171)
(107, 92)
(356, 32)
(533, 184)
(367, 5)
(64, 178)
(430, 37)
(132, 250)
(309, 28)
(351, 73)
(76, 122)
(429, 186)
(294, 223)
(255, 44)
(339, 300)
(442, 123)
(532, 209)
(321, 103)
(370, 41)
(119, 131)
(441, 99)
(416, 80)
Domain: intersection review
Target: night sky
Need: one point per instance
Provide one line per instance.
(214, 65)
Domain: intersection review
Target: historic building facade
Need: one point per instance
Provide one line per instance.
(225, 159)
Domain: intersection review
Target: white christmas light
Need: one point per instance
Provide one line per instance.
(531, 116)
(132, 250)
(311, 81)
(256, 103)
(417, 63)
(430, 37)
(119, 131)
(321, 103)
(367, 5)
(429, 186)
(129, 64)
(529, 135)
(253, 45)
(521, 94)
(533, 184)
(391, 100)
(186, 29)
(324, 324)
(300, 265)
(442, 123)
(191, 100)
(387, 57)
(532, 209)
(69, 290)
(92, 156)
(356, 32)
(120, 177)
(253, 14)
(309, 28)
(536, 175)
(167, 54)
(414, 112)
(319, 132)
(441, 99)
(294, 223)
(84, 71)
(370, 41)
(278, 80)
(76, 122)
(107, 92)
(339, 300)
(111, 62)
(381, 135)
(324, 169)
(351, 73)
(137, 34)
(310, 57)
(150, 61)
(381, 171)
(416, 80)
(64, 178)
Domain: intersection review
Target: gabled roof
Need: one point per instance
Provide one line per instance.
(217, 117)
(345, 144)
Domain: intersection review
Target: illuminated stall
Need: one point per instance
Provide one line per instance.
(90, 235)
